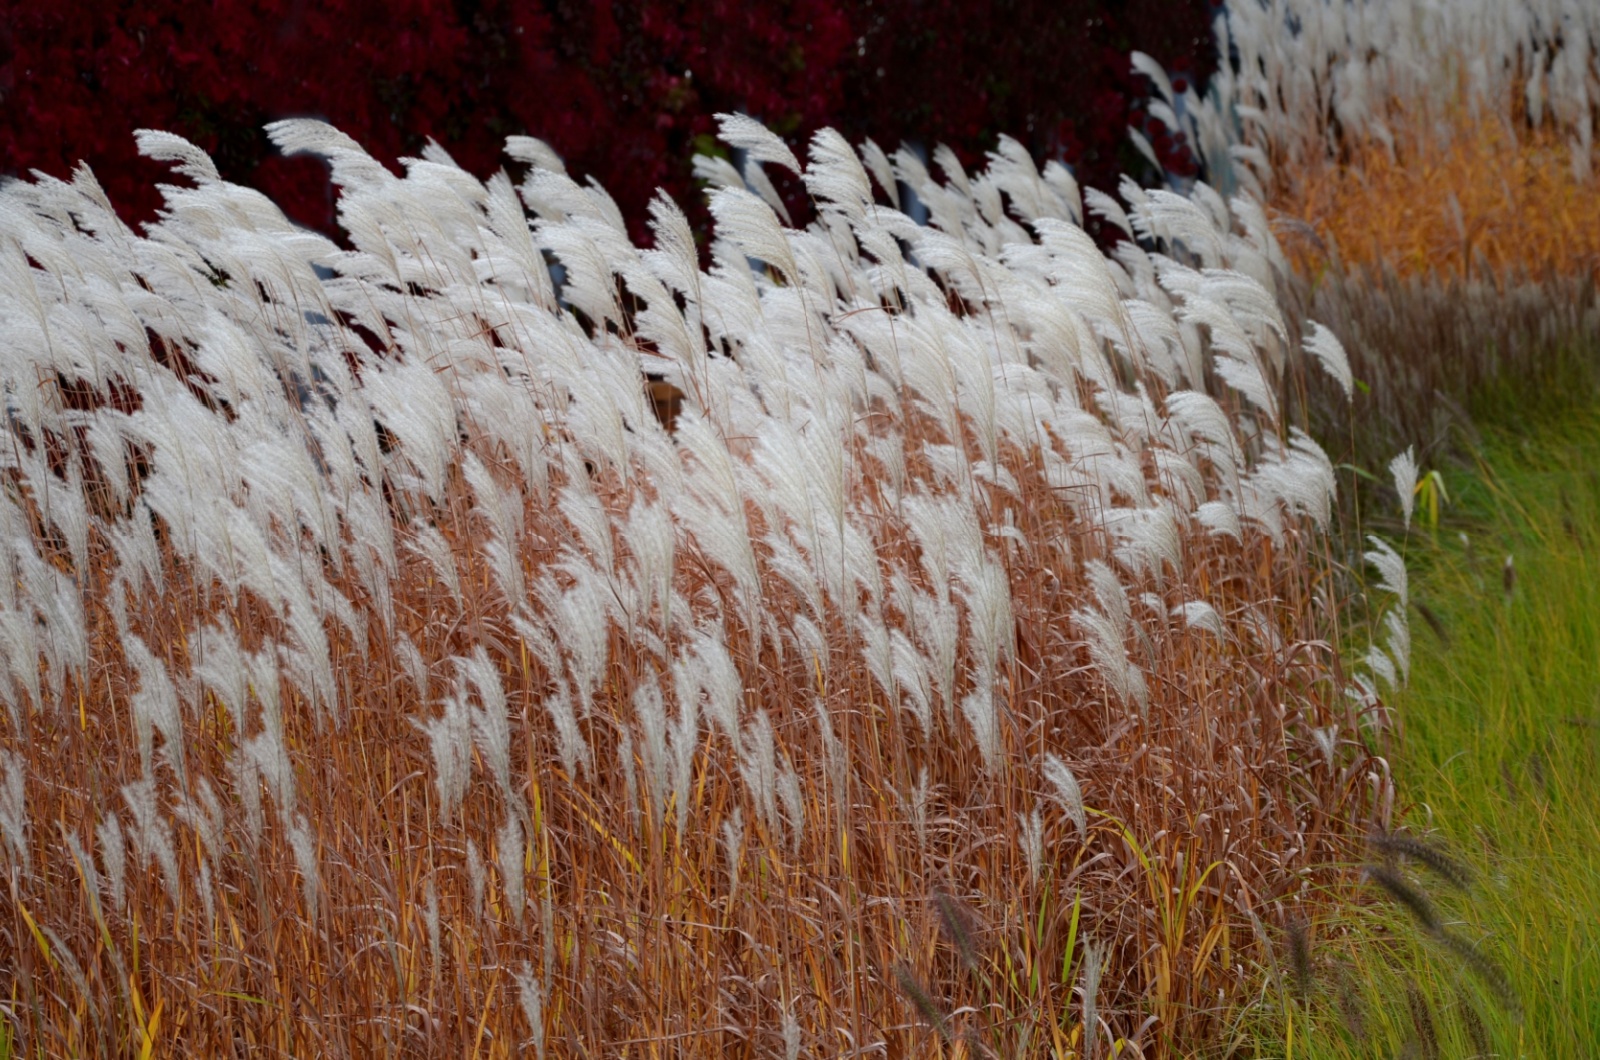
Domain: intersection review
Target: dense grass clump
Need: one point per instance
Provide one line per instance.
(943, 664)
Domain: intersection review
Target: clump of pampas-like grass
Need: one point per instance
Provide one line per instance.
(381, 675)
(1430, 169)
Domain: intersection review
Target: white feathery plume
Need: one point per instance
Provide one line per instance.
(1167, 215)
(511, 856)
(751, 225)
(1067, 792)
(1327, 741)
(651, 711)
(1180, 481)
(684, 740)
(986, 590)
(502, 509)
(978, 707)
(717, 172)
(1109, 592)
(916, 802)
(1252, 306)
(534, 152)
(169, 147)
(557, 197)
(720, 679)
(1093, 963)
(1109, 652)
(810, 642)
(476, 878)
(1012, 168)
(416, 408)
(947, 160)
(1382, 666)
(1399, 641)
(304, 845)
(756, 140)
(246, 777)
(1144, 64)
(1403, 469)
(835, 175)
(1391, 569)
(590, 519)
(426, 541)
(450, 739)
(792, 1034)
(1325, 346)
(14, 820)
(530, 993)
(113, 856)
(1147, 539)
(204, 815)
(516, 263)
(1030, 837)
(85, 865)
(1059, 179)
(155, 704)
(570, 743)
(1103, 205)
(411, 661)
(794, 806)
(151, 834)
(1247, 378)
(733, 846)
(650, 536)
(877, 652)
(582, 628)
(938, 627)
(911, 676)
(1197, 614)
(352, 166)
(878, 164)
(430, 916)
(758, 766)
(675, 261)
(490, 725)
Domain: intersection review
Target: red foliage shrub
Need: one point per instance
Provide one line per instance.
(624, 91)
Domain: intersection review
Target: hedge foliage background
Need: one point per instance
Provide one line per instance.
(624, 91)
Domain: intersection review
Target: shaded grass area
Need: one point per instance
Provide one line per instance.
(1500, 771)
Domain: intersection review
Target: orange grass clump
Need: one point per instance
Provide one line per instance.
(382, 679)
(1479, 203)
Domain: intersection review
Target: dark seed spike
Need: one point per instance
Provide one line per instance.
(1435, 623)
(1487, 971)
(1351, 1011)
(1422, 1020)
(1476, 1032)
(1403, 892)
(1447, 868)
(919, 997)
(1300, 955)
(956, 920)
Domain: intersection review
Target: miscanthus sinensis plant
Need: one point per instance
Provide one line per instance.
(1305, 80)
(1429, 167)
(382, 674)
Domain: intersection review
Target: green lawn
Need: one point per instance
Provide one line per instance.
(1499, 767)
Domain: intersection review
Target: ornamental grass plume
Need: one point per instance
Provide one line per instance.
(389, 534)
